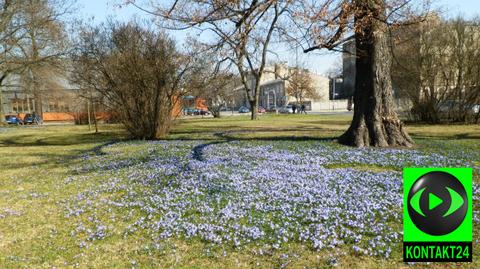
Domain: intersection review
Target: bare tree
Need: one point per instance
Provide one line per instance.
(436, 68)
(327, 24)
(44, 46)
(215, 88)
(138, 71)
(243, 32)
(465, 68)
(33, 41)
(337, 69)
(300, 85)
(9, 28)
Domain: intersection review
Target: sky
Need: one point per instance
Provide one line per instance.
(320, 62)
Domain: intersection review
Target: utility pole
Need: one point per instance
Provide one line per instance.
(333, 93)
(95, 116)
(88, 112)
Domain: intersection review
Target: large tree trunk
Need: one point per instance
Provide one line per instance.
(37, 95)
(253, 100)
(375, 122)
(254, 109)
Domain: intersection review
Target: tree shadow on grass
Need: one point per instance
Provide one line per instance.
(53, 157)
(226, 137)
(346, 123)
(306, 131)
(462, 136)
(32, 140)
(52, 149)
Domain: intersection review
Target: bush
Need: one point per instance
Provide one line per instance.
(137, 70)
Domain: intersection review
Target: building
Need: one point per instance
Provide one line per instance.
(347, 85)
(189, 102)
(274, 91)
(434, 66)
(56, 103)
(348, 69)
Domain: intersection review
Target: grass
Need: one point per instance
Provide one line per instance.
(308, 126)
(34, 161)
(268, 127)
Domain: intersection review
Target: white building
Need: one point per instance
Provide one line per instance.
(273, 91)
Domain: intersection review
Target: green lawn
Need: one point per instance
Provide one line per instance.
(312, 126)
(35, 162)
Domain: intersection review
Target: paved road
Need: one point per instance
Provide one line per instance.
(323, 112)
(235, 113)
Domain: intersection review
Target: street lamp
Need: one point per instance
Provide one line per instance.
(333, 93)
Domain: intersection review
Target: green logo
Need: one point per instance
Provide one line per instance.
(457, 201)
(437, 214)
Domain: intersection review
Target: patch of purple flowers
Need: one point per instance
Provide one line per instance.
(244, 192)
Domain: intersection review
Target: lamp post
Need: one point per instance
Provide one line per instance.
(274, 99)
(333, 92)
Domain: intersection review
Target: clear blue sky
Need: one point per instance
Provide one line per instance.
(319, 62)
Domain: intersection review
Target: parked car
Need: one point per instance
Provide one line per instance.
(202, 112)
(10, 119)
(452, 106)
(286, 110)
(29, 119)
(189, 111)
(243, 109)
(447, 106)
(261, 110)
(476, 109)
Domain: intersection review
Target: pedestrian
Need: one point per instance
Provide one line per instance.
(34, 118)
(303, 109)
(294, 108)
(350, 104)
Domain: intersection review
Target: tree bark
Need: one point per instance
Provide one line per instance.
(254, 107)
(375, 122)
(37, 95)
(216, 114)
(162, 129)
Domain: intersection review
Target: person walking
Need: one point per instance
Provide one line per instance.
(34, 118)
(294, 108)
(302, 109)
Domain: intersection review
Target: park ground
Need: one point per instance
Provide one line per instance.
(217, 193)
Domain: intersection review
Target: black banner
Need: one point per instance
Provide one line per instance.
(437, 251)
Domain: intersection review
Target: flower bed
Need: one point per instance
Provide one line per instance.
(240, 193)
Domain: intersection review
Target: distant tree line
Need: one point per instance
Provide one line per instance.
(138, 71)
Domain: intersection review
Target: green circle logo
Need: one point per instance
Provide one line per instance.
(437, 203)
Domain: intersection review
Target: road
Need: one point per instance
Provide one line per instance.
(323, 112)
